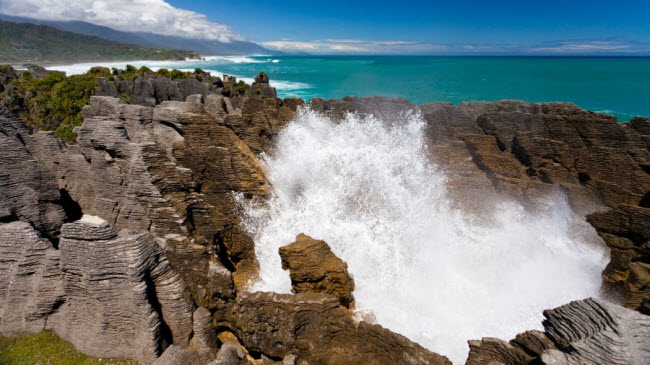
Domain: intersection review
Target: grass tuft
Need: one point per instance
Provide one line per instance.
(47, 348)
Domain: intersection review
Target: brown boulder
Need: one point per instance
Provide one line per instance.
(313, 267)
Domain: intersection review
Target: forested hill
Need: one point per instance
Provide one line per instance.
(22, 42)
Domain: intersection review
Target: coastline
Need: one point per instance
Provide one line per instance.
(423, 79)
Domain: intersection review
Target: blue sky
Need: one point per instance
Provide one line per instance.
(618, 27)
(612, 27)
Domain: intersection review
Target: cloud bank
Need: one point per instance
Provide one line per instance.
(154, 16)
(561, 47)
(354, 46)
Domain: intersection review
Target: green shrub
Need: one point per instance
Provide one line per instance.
(241, 87)
(259, 91)
(100, 71)
(178, 74)
(198, 71)
(126, 98)
(163, 72)
(55, 102)
(144, 69)
(7, 69)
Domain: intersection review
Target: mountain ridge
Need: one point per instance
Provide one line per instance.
(24, 42)
(144, 39)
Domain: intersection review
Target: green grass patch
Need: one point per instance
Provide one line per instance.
(47, 348)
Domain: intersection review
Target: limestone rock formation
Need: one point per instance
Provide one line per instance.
(315, 329)
(313, 267)
(175, 355)
(526, 348)
(169, 170)
(597, 332)
(590, 331)
(28, 191)
(231, 353)
(626, 230)
(30, 279)
(204, 339)
(122, 299)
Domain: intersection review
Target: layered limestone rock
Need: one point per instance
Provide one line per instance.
(170, 170)
(590, 331)
(597, 332)
(314, 268)
(231, 353)
(315, 329)
(626, 230)
(31, 215)
(28, 191)
(122, 299)
(30, 279)
(204, 340)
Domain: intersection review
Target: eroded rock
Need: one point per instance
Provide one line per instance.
(313, 267)
(589, 331)
(30, 280)
(122, 299)
(315, 329)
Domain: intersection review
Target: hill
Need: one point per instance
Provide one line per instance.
(143, 39)
(24, 42)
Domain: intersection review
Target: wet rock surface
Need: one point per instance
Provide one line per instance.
(314, 328)
(313, 267)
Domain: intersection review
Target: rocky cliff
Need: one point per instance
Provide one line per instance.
(128, 242)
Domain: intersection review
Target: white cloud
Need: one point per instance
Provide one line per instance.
(155, 16)
(586, 47)
(354, 46)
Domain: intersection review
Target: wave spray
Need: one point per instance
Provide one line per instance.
(422, 268)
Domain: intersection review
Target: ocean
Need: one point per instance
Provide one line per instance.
(611, 85)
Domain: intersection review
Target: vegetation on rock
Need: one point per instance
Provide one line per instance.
(241, 87)
(55, 102)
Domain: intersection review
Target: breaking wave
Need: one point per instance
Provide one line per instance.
(421, 267)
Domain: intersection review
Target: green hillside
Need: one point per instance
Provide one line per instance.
(22, 42)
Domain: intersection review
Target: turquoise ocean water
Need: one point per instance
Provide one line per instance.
(618, 86)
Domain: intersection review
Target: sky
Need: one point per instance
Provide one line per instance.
(620, 27)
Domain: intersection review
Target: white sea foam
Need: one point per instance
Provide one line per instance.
(235, 59)
(421, 268)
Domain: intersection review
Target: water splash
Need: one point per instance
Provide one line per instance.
(421, 268)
